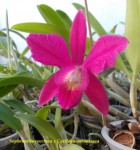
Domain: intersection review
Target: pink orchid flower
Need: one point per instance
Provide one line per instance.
(76, 75)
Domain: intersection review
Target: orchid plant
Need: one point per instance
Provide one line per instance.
(76, 75)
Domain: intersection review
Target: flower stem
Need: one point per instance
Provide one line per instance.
(8, 42)
(133, 98)
(104, 120)
(91, 43)
(88, 21)
(76, 122)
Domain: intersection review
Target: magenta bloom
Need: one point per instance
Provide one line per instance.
(76, 76)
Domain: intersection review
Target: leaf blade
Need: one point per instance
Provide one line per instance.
(7, 116)
(43, 28)
(65, 18)
(94, 22)
(132, 32)
(26, 80)
(44, 127)
(18, 105)
(6, 89)
(49, 15)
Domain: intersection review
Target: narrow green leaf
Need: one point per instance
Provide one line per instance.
(15, 80)
(132, 32)
(43, 112)
(17, 33)
(42, 126)
(6, 89)
(94, 22)
(20, 106)
(7, 116)
(65, 18)
(43, 28)
(20, 73)
(23, 67)
(106, 72)
(58, 122)
(3, 44)
(3, 41)
(2, 34)
(49, 15)
(24, 52)
(113, 30)
(121, 65)
(88, 46)
(36, 73)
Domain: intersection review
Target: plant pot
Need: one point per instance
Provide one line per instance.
(111, 143)
(5, 143)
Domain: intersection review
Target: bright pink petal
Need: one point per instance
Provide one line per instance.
(48, 92)
(97, 95)
(49, 49)
(68, 99)
(73, 77)
(104, 53)
(78, 38)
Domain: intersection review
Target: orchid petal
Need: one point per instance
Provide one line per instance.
(68, 99)
(48, 92)
(73, 77)
(49, 49)
(78, 38)
(97, 95)
(104, 53)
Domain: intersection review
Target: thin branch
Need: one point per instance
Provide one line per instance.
(88, 21)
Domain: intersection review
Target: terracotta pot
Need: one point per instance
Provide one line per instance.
(111, 143)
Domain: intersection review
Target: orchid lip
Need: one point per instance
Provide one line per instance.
(74, 78)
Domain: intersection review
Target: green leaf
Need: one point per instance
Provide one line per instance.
(36, 73)
(88, 46)
(113, 30)
(58, 119)
(43, 112)
(72, 147)
(43, 28)
(65, 18)
(132, 32)
(7, 116)
(20, 106)
(6, 89)
(3, 44)
(17, 33)
(49, 15)
(20, 73)
(15, 80)
(2, 34)
(121, 65)
(94, 22)
(24, 52)
(42, 126)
